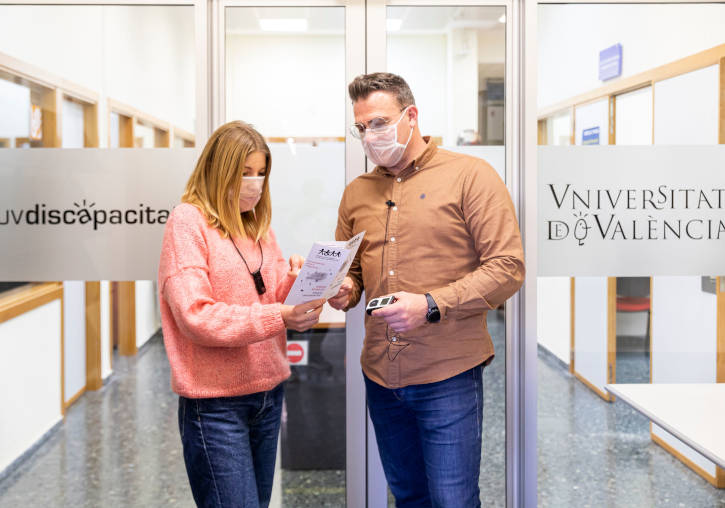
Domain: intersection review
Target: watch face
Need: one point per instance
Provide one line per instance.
(434, 315)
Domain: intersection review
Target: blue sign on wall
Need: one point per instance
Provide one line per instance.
(610, 62)
(590, 136)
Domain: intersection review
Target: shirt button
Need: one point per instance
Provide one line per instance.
(391, 272)
(395, 208)
(400, 179)
(392, 238)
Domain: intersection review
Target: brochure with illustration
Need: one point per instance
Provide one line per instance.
(324, 270)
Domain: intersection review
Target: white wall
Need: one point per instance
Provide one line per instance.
(148, 320)
(146, 135)
(633, 119)
(72, 127)
(140, 55)
(492, 45)
(553, 314)
(558, 129)
(15, 107)
(114, 131)
(422, 60)
(149, 53)
(590, 329)
(462, 104)
(30, 379)
(686, 108)
(74, 339)
(63, 40)
(105, 329)
(570, 38)
(287, 85)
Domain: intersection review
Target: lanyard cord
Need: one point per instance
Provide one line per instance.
(257, 275)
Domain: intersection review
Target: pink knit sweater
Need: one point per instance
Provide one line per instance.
(221, 337)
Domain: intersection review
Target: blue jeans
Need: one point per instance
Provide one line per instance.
(429, 438)
(230, 447)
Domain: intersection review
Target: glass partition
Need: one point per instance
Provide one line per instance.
(285, 74)
(628, 341)
(81, 77)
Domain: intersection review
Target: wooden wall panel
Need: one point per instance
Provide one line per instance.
(94, 378)
(126, 317)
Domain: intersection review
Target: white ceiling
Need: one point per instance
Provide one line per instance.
(415, 19)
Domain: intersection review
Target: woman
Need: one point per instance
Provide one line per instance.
(221, 280)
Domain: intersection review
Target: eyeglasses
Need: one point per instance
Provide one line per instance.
(359, 130)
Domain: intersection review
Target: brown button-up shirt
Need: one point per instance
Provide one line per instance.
(445, 225)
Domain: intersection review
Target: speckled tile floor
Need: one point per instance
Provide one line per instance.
(119, 447)
(597, 454)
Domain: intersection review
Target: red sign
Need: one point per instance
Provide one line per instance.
(295, 353)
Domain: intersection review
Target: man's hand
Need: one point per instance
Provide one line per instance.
(406, 314)
(302, 317)
(342, 298)
(295, 265)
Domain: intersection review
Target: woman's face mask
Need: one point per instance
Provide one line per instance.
(381, 145)
(250, 193)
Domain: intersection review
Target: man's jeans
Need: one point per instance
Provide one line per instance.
(230, 447)
(429, 438)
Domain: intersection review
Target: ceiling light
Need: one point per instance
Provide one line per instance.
(283, 25)
(393, 25)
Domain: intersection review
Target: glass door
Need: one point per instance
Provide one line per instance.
(456, 58)
(631, 334)
(285, 69)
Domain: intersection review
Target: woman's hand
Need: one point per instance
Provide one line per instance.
(342, 298)
(295, 265)
(302, 317)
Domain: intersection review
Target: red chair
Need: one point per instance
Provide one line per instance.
(640, 303)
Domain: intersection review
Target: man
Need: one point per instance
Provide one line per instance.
(442, 237)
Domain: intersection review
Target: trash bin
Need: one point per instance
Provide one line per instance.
(313, 419)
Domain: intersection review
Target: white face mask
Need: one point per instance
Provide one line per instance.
(381, 145)
(250, 193)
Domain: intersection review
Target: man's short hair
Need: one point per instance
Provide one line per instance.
(365, 84)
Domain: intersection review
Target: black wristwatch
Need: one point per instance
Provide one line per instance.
(434, 314)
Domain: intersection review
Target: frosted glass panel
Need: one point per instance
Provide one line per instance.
(285, 75)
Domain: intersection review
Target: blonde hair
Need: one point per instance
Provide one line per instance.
(216, 182)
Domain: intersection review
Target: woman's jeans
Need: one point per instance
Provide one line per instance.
(429, 438)
(230, 447)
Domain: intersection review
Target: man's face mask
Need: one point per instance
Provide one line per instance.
(381, 145)
(250, 193)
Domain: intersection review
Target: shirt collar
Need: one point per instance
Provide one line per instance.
(416, 164)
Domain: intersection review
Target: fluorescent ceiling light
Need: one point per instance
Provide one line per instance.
(283, 25)
(502, 19)
(393, 25)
